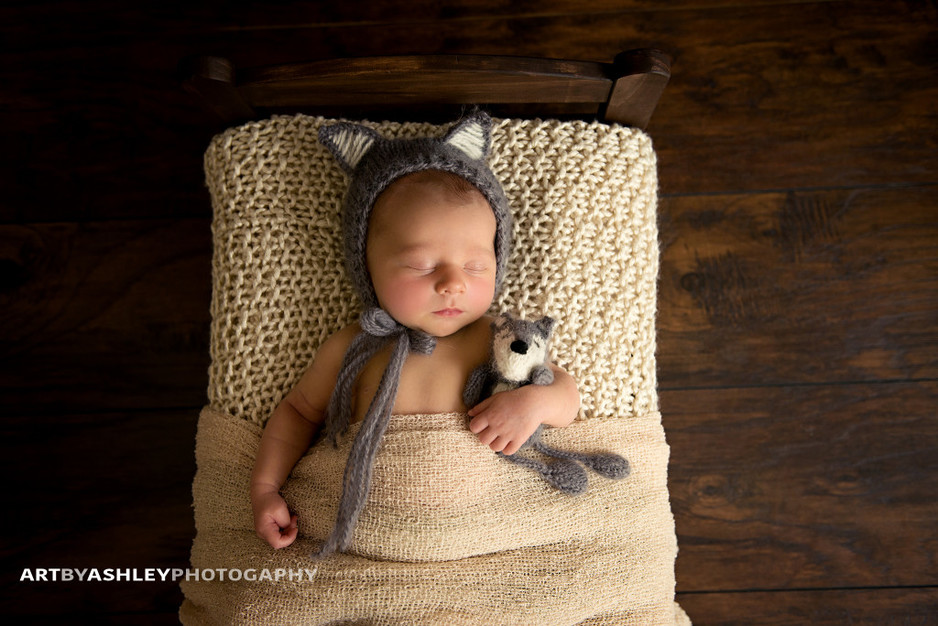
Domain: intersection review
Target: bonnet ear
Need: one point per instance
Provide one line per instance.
(348, 143)
(472, 136)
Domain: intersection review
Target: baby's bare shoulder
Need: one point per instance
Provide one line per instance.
(335, 346)
(312, 392)
(329, 356)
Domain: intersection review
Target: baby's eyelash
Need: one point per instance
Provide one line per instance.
(474, 268)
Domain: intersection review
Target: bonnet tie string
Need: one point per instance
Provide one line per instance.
(378, 330)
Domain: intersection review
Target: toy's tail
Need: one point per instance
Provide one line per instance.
(564, 475)
(603, 463)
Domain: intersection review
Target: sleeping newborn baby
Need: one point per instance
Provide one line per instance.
(427, 233)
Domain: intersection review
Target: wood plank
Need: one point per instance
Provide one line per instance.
(803, 96)
(66, 21)
(447, 78)
(849, 606)
(404, 87)
(765, 97)
(103, 491)
(804, 487)
(801, 287)
(104, 315)
(94, 134)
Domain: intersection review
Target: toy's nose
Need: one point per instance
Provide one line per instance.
(519, 347)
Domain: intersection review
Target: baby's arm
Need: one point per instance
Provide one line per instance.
(506, 420)
(287, 437)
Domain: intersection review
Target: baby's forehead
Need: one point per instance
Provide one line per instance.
(441, 187)
(448, 182)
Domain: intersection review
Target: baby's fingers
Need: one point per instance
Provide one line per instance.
(268, 531)
(512, 447)
(280, 536)
(481, 407)
(498, 443)
(478, 424)
(288, 534)
(487, 436)
(278, 527)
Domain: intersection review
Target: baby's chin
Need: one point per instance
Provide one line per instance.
(442, 327)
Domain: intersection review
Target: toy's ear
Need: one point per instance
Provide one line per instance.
(348, 143)
(501, 321)
(472, 136)
(545, 325)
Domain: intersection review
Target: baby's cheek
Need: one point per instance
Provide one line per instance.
(483, 293)
(402, 298)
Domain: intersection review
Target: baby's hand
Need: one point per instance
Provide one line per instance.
(506, 420)
(273, 521)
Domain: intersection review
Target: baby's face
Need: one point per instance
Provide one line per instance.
(431, 256)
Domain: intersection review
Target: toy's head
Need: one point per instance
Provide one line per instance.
(520, 346)
(373, 163)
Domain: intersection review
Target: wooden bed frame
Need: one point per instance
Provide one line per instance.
(435, 88)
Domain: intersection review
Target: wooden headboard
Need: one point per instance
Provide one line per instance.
(625, 91)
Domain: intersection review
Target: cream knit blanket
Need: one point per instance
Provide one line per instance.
(584, 200)
(482, 540)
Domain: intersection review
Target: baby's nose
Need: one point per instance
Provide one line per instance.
(451, 282)
(519, 347)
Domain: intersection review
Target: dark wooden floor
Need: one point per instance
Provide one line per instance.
(798, 324)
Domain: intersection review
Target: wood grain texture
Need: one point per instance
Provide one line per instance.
(106, 490)
(624, 92)
(870, 607)
(799, 287)
(104, 315)
(810, 95)
(54, 22)
(767, 96)
(804, 487)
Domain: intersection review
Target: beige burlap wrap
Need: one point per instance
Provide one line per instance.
(478, 541)
(450, 533)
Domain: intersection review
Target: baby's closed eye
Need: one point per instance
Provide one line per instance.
(476, 267)
(473, 267)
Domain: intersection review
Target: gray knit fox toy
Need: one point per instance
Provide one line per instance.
(518, 357)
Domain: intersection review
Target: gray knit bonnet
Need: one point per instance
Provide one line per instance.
(373, 163)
